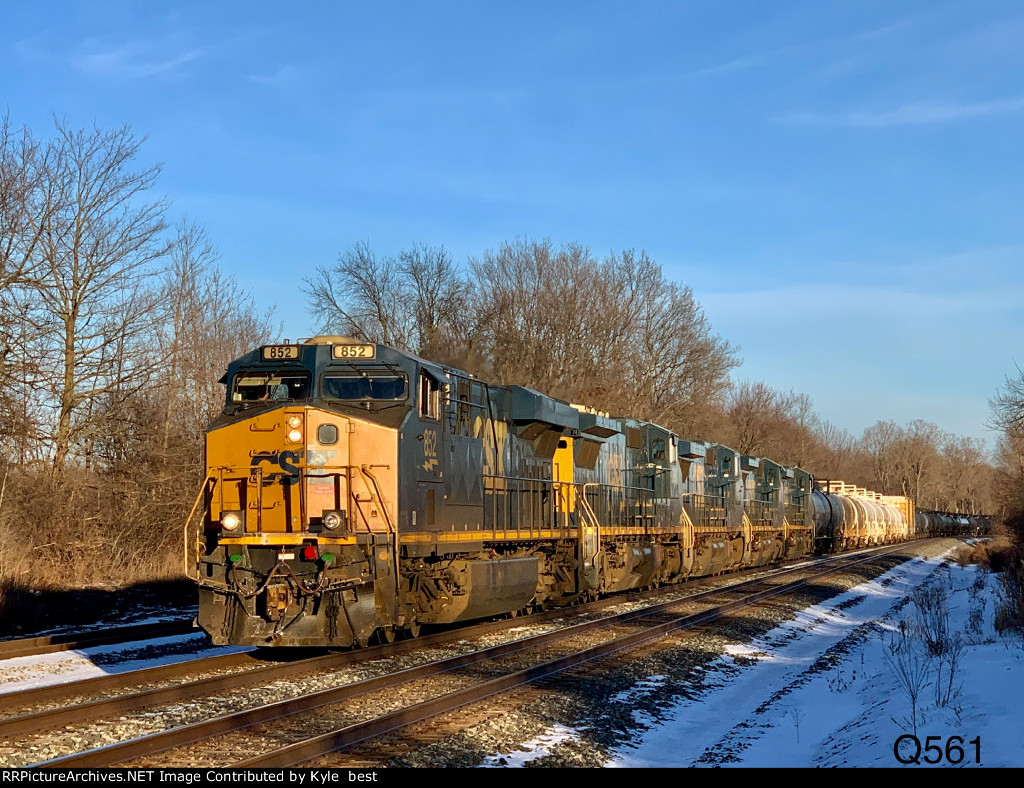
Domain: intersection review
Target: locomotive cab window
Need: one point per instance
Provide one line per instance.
(429, 397)
(465, 407)
(270, 386)
(353, 386)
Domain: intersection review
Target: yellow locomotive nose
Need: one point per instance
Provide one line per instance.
(304, 471)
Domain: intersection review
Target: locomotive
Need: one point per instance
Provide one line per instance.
(355, 492)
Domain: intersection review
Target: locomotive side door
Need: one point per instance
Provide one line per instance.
(463, 454)
(563, 469)
(572, 511)
(428, 460)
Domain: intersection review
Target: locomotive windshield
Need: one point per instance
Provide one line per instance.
(364, 386)
(270, 386)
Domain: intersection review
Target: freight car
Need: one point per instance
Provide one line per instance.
(847, 517)
(357, 492)
(951, 524)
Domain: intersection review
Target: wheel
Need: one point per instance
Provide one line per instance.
(413, 630)
(385, 635)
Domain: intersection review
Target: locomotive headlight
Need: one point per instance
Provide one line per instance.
(295, 422)
(333, 520)
(231, 521)
(295, 436)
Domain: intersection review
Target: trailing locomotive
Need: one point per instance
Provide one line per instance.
(355, 492)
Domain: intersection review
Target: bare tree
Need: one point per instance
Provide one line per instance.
(207, 320)
(417, 301)
(1008, 405)
(182, 292)
(440, 302)
(879, 441)
(763, 422)
(919, 452)
(24, 203)
(96, 252)
(835, 453)
(614, 334)
(22, 206)
(364, 296)
(755, 412)
(539, 318)
(965, 474)
(1008, 418)
(683, 364)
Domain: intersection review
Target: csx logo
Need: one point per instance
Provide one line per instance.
(284, 460)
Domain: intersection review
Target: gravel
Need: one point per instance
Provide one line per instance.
(580, 702)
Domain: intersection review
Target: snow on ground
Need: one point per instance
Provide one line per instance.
(824, 689)
(22, 673)
(140, 616)
(537, 748)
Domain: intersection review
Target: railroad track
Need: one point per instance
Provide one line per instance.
(39, 709)
(47, 644)
(377, 735)
(253, 737)
(58, 705)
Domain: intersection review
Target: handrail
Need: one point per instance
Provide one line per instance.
(589, 512)
(191, 514)
(365, 470)
(393, 532)
(255, 475)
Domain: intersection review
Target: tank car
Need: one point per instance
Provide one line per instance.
(355, 492)
(932, 523)
(847, 516)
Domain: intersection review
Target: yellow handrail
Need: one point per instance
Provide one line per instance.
(191, 514)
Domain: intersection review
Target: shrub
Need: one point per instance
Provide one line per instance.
(992, 554)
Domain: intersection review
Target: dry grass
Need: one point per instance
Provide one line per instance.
(60, 537)
(993, 554)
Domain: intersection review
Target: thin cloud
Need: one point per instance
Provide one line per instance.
(739, 64)
(918, 114)
(898, 26)
(754, 59)
(137, 59)
(765, 57)
(885, 30)
(285, 77)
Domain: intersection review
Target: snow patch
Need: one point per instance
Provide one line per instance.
(533, 749)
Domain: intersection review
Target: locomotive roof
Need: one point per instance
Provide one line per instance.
(519, 403)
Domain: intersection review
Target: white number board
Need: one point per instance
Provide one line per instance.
(275, 352)
(354, 351)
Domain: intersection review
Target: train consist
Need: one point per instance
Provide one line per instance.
(356, 492)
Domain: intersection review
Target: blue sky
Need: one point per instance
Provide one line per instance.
(840, 183)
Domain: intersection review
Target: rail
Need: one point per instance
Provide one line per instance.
(661, 621)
